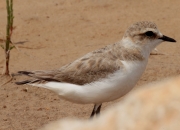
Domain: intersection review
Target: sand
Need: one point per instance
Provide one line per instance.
(51, 33)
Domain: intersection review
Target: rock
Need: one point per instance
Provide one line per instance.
(153, 107)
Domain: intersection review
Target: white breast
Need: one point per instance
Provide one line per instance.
(116, 85)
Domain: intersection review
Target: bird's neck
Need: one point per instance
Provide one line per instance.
(144, 51)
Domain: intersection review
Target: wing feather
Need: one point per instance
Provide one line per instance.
(91, 67)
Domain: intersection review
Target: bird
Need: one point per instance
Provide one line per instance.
(105, 74)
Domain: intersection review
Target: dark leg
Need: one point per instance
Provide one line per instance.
(93, 111)
(96, 110)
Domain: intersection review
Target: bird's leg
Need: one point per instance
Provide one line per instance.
(96, 110)
(93, 111)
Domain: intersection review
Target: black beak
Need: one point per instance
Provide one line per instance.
(165, 38)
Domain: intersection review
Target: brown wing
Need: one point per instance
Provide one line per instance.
(93, 66)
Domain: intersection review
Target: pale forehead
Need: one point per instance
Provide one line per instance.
(142, 27)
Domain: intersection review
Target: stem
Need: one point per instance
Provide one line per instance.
(11, 17)
(7, 27)
(9, 30)
(7, 54)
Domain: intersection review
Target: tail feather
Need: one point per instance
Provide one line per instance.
(25, 73)
(27, 81)
(35, 77)
(23, 82)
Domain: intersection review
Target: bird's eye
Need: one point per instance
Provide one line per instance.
(149, 33)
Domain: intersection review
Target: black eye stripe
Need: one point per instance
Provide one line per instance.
(149, 33)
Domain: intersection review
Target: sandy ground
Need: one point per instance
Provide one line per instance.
(52, 33)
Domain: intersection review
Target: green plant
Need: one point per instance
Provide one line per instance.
(9, 29)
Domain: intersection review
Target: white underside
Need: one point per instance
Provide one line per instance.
(113, 87)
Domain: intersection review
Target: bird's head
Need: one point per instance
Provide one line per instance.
(145, 34)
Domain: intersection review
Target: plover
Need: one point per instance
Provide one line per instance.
(105, 74)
